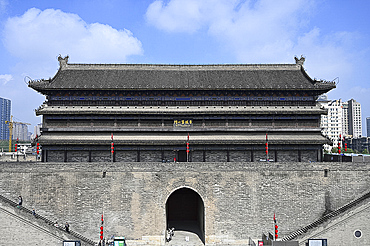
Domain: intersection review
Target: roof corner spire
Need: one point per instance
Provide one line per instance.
(63, 61)
(299, 61)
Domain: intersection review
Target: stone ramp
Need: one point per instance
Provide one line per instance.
(33, 227)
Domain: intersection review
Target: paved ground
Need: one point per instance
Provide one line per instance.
(186, 233)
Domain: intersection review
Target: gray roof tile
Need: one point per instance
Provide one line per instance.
(154, 76)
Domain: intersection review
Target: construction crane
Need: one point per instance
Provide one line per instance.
(11, 126)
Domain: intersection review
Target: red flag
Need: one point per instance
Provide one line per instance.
(188, 137)
(274, 219)
(112, 136)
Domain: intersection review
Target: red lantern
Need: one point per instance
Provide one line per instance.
(276, 228)
(345, 147)
(16, 147)
(339, 148)
(101, 228)
(37, 148)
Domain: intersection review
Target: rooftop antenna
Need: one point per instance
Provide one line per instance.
(336, 79)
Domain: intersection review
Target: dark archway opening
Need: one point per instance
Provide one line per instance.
(185, 212)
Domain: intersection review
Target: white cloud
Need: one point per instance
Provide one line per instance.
(178, 15)
(5, 78)
(261, 31)
(39, 36)
(329, 55)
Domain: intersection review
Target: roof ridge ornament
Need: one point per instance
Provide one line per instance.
(63, 61)
(299, 61)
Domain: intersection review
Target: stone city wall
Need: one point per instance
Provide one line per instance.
(240, 198)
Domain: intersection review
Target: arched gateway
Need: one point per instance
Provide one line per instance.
(185, 212)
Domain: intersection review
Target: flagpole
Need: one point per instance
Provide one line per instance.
(112, 148)
(276, 228)
(267, 149)
(187, 149)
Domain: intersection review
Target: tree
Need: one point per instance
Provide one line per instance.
(349, 151)
(334, 150)
(365, 151)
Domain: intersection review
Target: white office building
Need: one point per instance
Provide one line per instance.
(331, 123)
(354, 119)
(20, 132)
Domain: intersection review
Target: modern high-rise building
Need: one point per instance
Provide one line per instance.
(5, 111)
(331, 123)
(36, 131)
(368, 126)
(354, 119)
(345, 119)
(20, 132)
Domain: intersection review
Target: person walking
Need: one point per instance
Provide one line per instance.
(67, 227)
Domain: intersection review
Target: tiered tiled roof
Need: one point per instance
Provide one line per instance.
(184, 77)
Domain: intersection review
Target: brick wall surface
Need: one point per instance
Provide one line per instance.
(101, 156)
(239, 198)
(126, 156)
(77, 156)
(238, 156)
(216, 156)
(56, 156)
(287, 156)
(308, 155)
(195, 155)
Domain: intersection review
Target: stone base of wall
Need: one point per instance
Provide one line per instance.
(194, 156)
(55, 156)
(126, 156)
(308, 156)
(78, 156)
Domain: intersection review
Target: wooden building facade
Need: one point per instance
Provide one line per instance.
(224, 112)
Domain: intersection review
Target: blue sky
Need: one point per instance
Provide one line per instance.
(333, 36)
